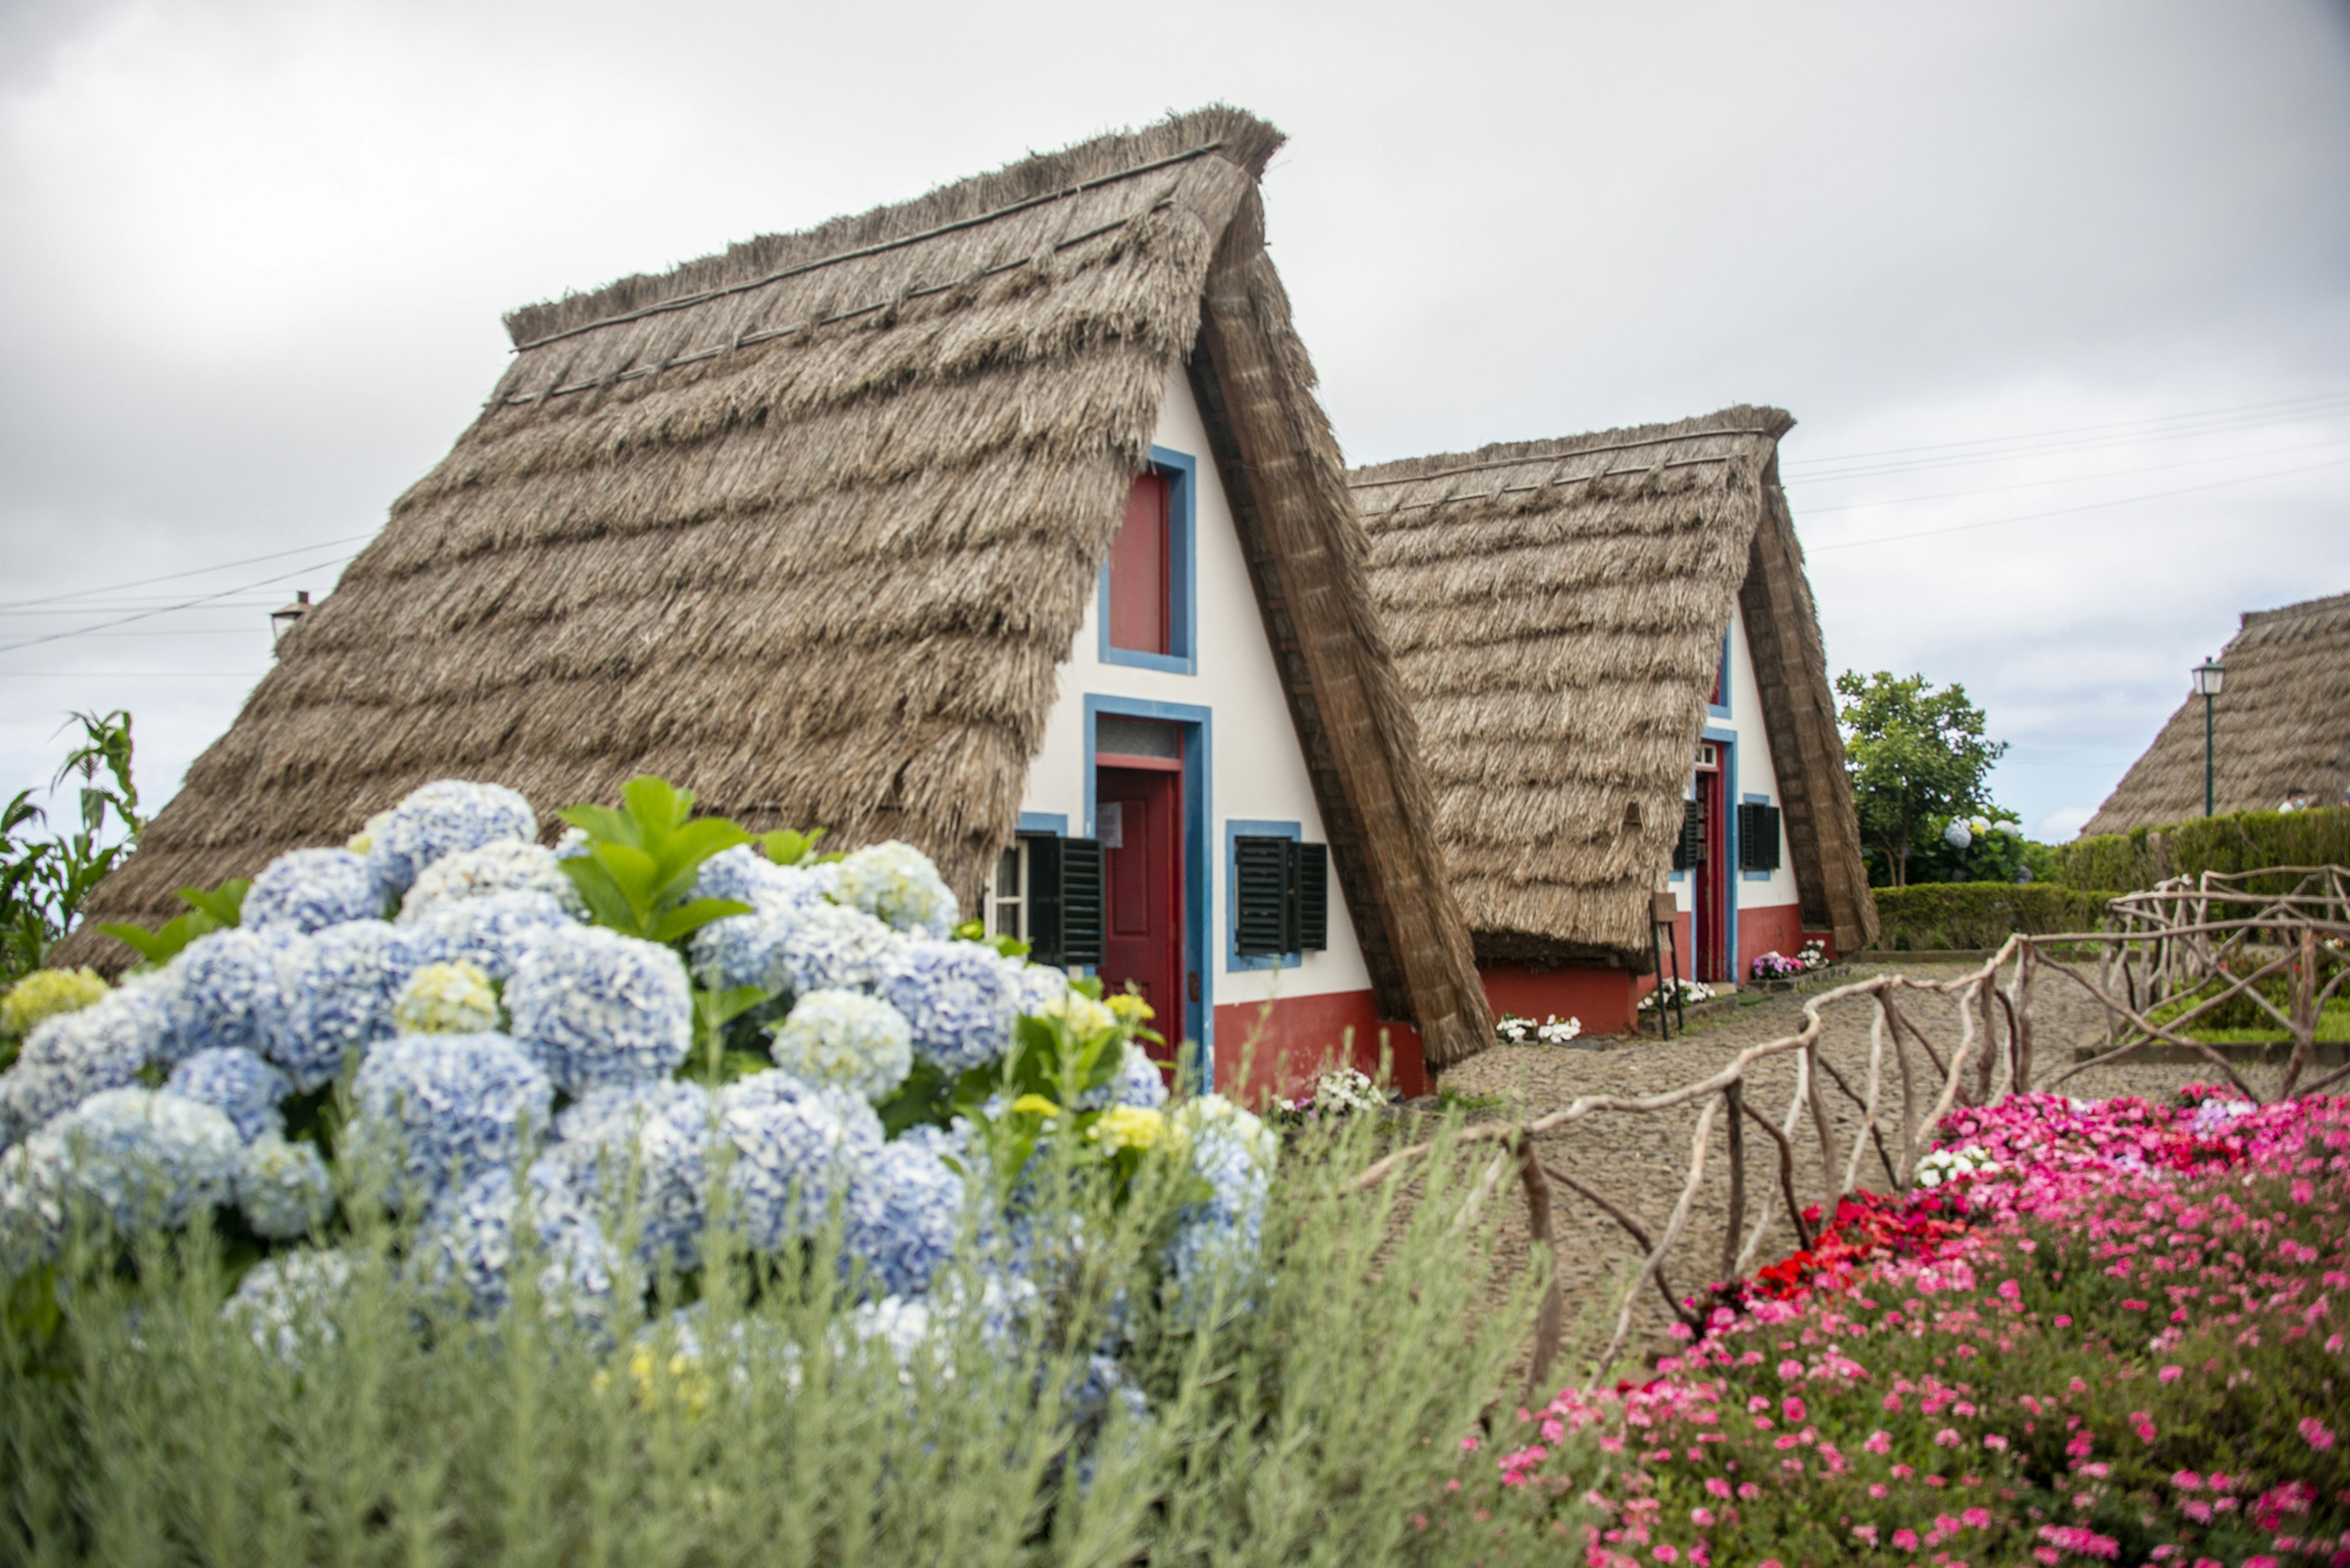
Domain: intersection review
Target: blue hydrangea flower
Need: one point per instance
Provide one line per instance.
(745, 875)
(1034, 986)
(596, 1007)
(32, 1200)
(638, 1155)
(897, 884)
(228, 992)
(502, 865)
(956, 996)
(441, 819)
(493, 932)
(283, 1187)
(69, 1057)
(308, 890)
(338, 993)
(1236, 1153)
(797, 1145)
(905, 1207)
(835, 948)
(287, 1300)
(438, 1110)
(239, 1083)
(142, 1157)
(468, 1241)
(846, 1039)
(1139, 1081)
(747, 950)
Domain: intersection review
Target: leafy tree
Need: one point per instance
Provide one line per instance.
(43, 881)
(1917, 757)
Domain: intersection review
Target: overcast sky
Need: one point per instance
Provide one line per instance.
(2060, 294)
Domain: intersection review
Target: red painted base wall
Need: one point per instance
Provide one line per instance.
(1770, 929)
(1603, 999)
(1263, 1052)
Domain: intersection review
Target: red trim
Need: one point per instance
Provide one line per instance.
(1292, 1041)
(1148, 764)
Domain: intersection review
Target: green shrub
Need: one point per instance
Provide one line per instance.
(1292, 1417)
(2243, 841)
(1980, 914)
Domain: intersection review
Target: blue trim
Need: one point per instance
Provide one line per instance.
(1755, 876)
(1182, 472)
(1728, 741)
(1722, 677)
(1199, 892)
(1236, 827)
(1056, 822)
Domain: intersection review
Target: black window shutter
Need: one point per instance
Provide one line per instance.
(1310, 896)
(1758, 838)
(1081, 901)
(1261, 915)
(1065, 900)
(1689, 849)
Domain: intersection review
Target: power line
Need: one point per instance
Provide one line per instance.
(192, 572)
(2078, 478)
(2074, 430)
(2068, 511)
(2065, 448)
(150, 615)
(132, 674)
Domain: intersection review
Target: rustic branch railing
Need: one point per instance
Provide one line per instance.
(2166, 947)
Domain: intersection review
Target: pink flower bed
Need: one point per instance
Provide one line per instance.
(2119, 1339)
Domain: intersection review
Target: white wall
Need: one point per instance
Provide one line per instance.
(1256, 768)
(1756, 774)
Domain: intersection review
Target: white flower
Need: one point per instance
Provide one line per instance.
(846, 1039)
(286, 1300)
(502, 865)
(283, 1187)
(441, 819)
(896, 883)
(831, 948)
(446, 999)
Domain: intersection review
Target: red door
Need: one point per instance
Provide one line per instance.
(1711, 882)
(1139, 818)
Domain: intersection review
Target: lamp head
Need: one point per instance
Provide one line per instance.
(2207, 677)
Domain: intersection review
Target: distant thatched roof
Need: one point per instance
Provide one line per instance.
(2282, 721)
(808, 525)
(1556, 610)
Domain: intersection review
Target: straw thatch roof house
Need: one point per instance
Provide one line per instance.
(1611, 646)
(2281, 723)
(819, 527)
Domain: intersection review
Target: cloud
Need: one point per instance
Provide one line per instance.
(258, 252)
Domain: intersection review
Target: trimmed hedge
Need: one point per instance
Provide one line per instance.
(1980, 914)
(2242, 841)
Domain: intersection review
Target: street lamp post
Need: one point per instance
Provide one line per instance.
(2207, 677)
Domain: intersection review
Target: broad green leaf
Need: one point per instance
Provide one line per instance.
(717, 1009)
(152, 946)
(224, 903)
(689, 917)
(634, 872)
(601, 822)
(606, 902)
(655, 802)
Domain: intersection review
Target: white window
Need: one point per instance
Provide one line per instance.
(1007, 893)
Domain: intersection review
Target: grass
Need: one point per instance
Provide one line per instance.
(1295, 1415)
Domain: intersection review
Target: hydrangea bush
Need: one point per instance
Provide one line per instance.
(598, 1059)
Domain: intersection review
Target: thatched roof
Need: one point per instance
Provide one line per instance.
(2281, 723)
(808, 525)
(1556, 610)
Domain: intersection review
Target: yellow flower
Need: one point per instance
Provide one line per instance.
(1131, 1009)
(364, 840)
(1036, 1104)
(44, 994)
(453, 998)
(1129, 1126)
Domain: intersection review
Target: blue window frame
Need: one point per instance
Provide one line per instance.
(1237, 828)
(1182, 473)
(1198, 734)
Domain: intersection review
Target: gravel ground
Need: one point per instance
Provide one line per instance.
(1640, 1161)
